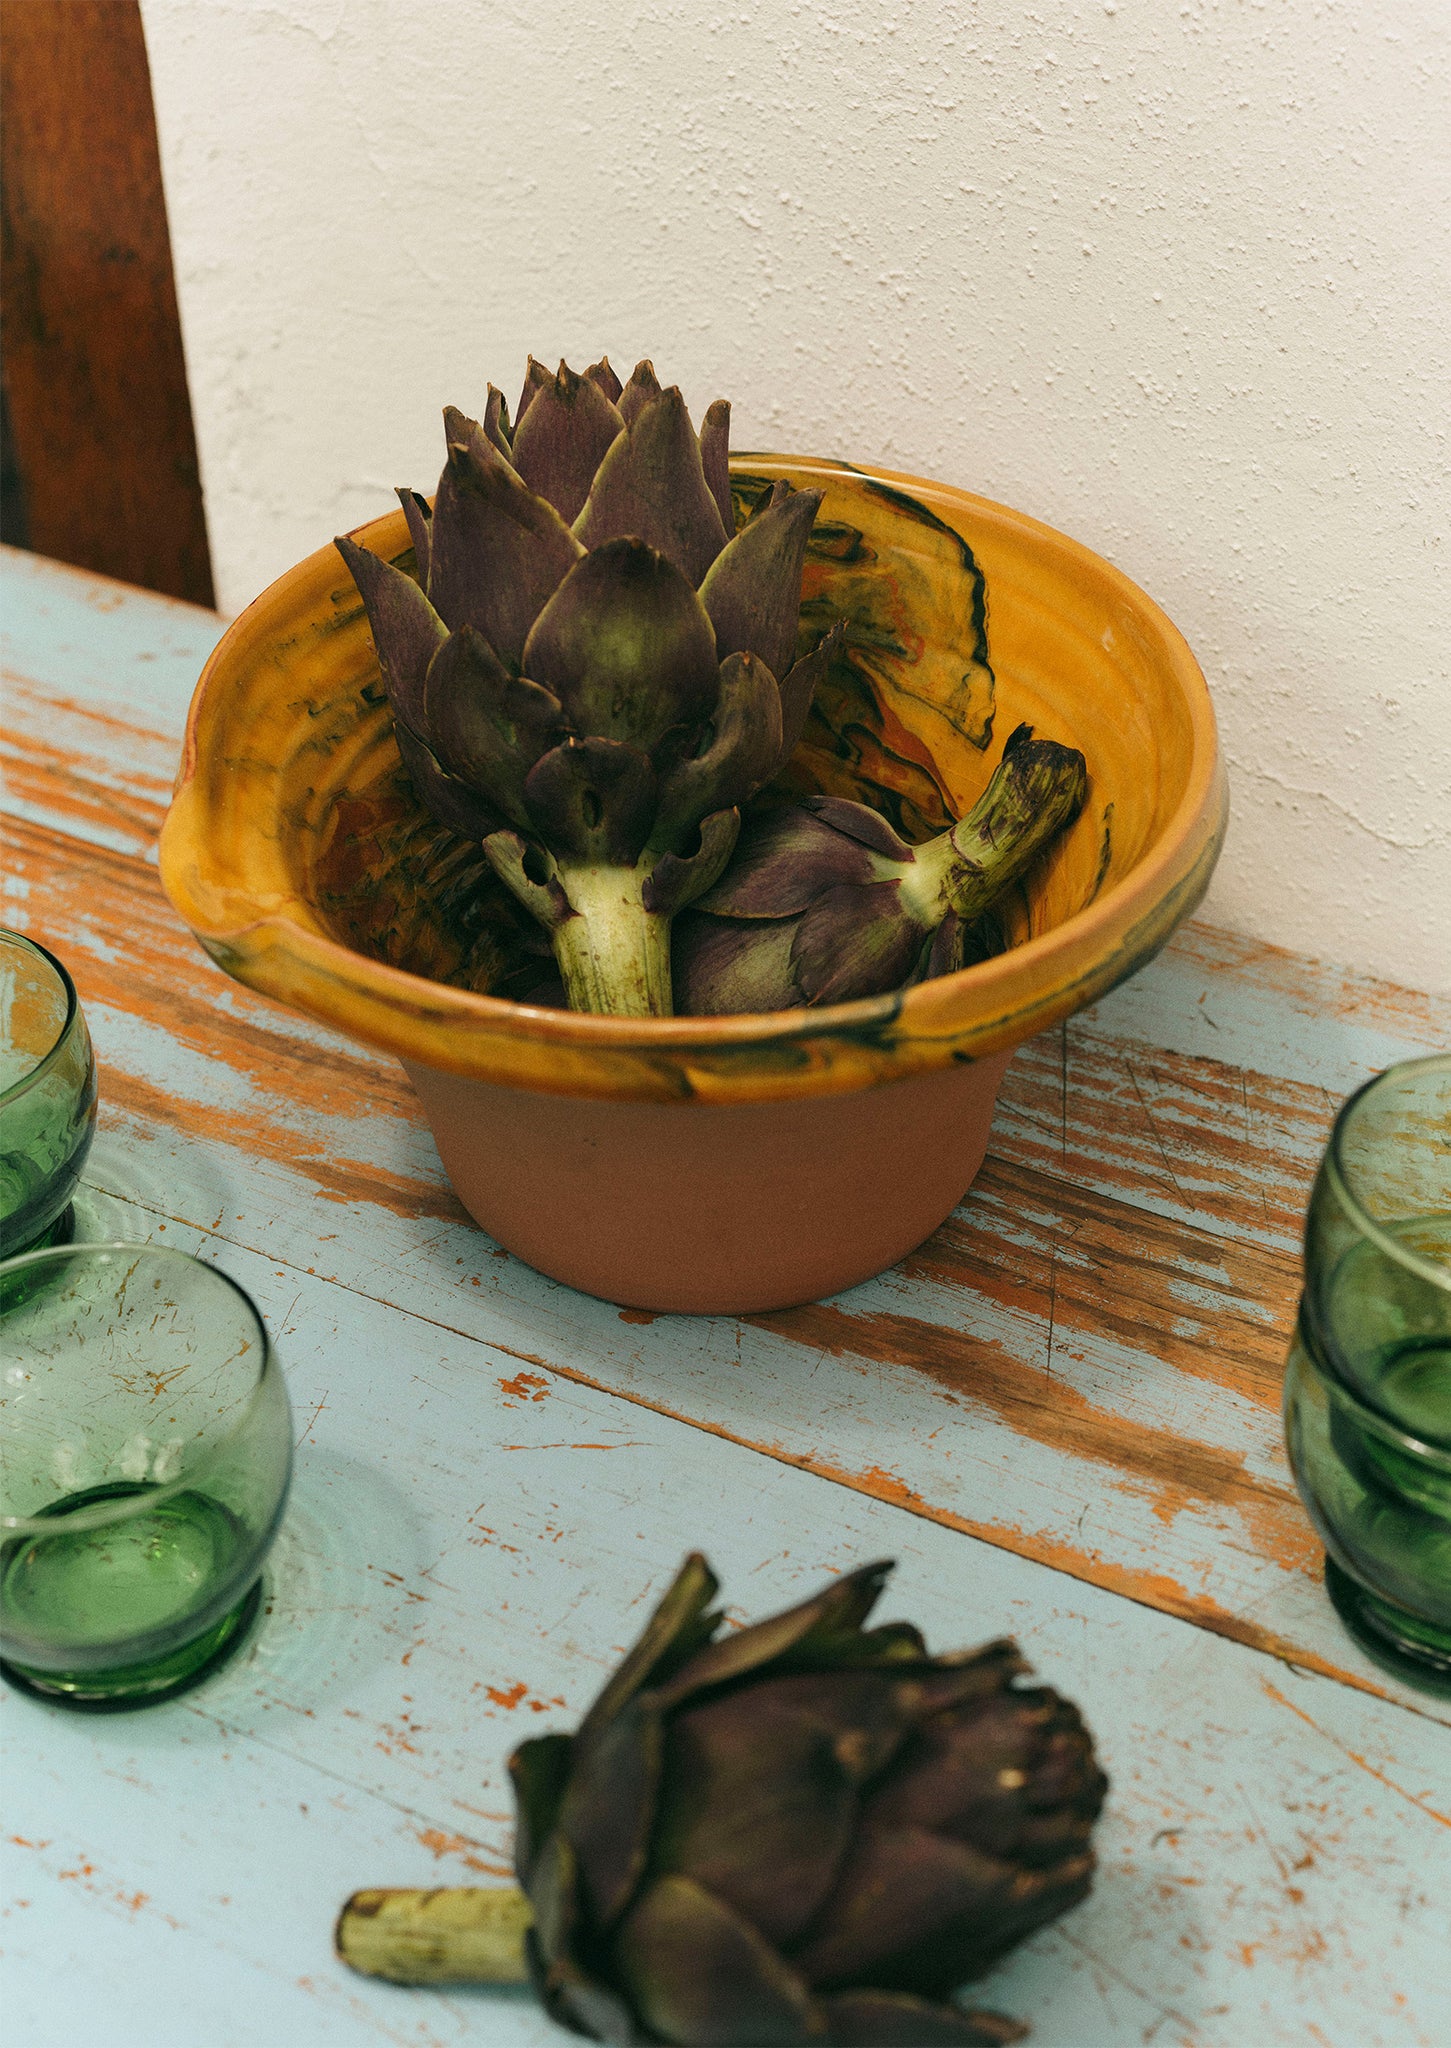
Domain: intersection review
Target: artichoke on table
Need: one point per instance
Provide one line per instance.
(593, 671)
(805, 1831)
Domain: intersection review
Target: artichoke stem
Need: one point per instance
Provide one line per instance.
(1037, 788)
(459, 1935)
(613, 954)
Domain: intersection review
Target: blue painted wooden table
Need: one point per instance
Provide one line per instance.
(1061, 1416)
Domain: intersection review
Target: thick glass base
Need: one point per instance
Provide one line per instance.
(1400, 1643)
(18, 1287)
(59, 1231)
(143, 1685)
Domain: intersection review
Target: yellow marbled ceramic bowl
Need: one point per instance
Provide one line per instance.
(714, 1162)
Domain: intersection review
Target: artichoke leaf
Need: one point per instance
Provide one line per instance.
(783, 861)
(857, 822)
(554, 1896)
(919, 1911)
(607, 1811)
(495, 423)
(699, 1975)
(498, 552)
(540, 892)
(839, 1607)
(593, 799)
(452, 802)
(798, 687)
(642, 387)
(957, 1681)
(759, 1794)
(625, 645)
(601, 374)
(682, 1621)
(535, 379)
(894, 2019)
(752, 589)
(407, 630)
(419, 514)
(561, 440)
(485, 726)
(715, 973)
(854, 941)
(715, 460)
(539, 1771)
(677, 879)
(895, 1643)
(651, 486)
(744, 751)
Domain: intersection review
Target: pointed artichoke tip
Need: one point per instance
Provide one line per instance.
(459, 431)
(360, 560)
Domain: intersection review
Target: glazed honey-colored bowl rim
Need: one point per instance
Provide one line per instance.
(757, 1055)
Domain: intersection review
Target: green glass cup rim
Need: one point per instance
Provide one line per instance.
(67, 1029)
(106, 1513)
(1438, 1456)
(1337, 1173)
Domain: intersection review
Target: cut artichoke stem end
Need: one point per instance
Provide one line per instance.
(613, 954)
(1014, 819)
(465, 1934)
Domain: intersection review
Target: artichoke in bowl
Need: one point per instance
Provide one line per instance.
(824, 902)
(592, 670)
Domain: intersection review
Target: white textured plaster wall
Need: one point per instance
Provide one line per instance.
(1174, 278)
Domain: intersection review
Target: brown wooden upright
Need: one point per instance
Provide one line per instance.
(95, 379)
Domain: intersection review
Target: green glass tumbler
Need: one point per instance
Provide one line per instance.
(145, 1455)
(47, 1096)
(1368, 1389)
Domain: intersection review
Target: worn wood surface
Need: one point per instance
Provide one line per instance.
(1062, 1415)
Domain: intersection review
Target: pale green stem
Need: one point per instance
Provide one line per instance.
(613, 954)
(1029, 800)
(460, 1935)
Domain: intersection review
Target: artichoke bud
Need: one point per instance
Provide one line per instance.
(824, 902)
(805, 1831)
(590, 672)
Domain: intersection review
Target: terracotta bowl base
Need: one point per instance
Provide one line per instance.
(713, 1208)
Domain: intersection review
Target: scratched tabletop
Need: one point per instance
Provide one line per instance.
(1061, 1416)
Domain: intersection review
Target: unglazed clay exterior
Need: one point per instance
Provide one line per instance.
(714, 1163)
(702, 1206)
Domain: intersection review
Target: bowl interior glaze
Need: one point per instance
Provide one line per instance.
(299, 854)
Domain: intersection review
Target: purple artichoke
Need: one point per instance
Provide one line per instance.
(824, 902)
(593, 671)
(802, 1832)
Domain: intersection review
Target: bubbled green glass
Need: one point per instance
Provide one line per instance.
(145, 1454)
(1368, 1389)
(47, 1096)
